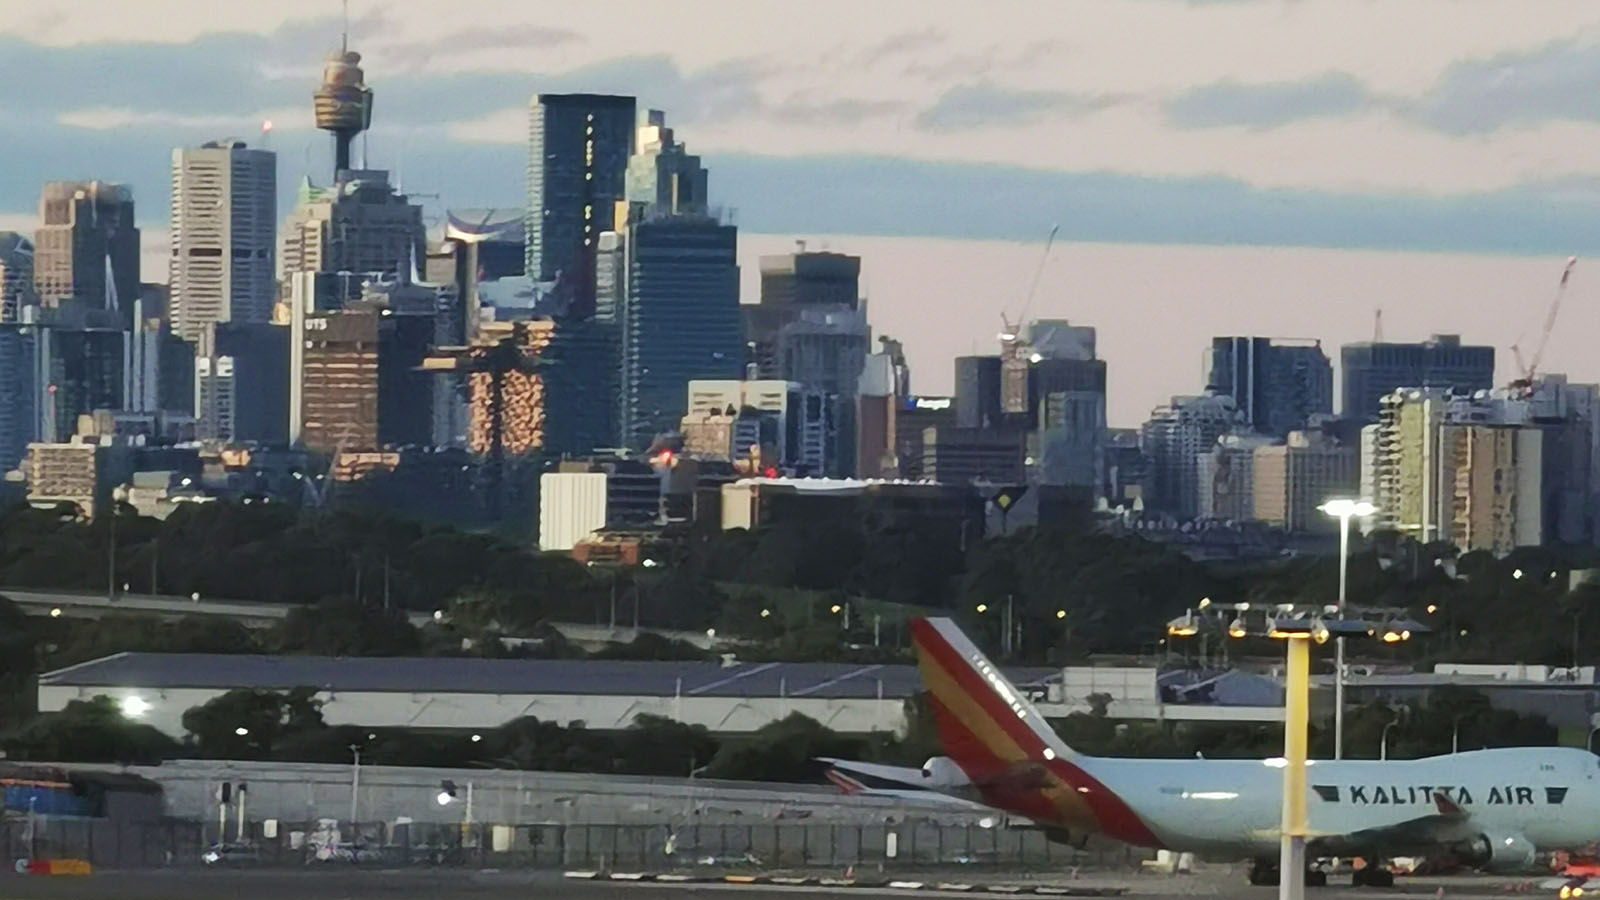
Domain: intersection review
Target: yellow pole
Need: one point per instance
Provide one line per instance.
(1296, 717)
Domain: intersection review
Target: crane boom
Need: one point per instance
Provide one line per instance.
(1038, 273)
(1550, 317)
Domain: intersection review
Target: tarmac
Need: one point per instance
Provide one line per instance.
(355, 884)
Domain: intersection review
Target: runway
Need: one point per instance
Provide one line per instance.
(353, 884)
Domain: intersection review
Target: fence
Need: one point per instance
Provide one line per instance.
(104, 842)
(910, 844)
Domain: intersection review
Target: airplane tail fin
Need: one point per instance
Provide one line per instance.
(984, 722)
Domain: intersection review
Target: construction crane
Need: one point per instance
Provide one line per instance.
(1528, 371)
(1014, 353)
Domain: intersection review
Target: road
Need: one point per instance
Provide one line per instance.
(348, 884)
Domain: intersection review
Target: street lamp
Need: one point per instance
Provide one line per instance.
(1343, 509)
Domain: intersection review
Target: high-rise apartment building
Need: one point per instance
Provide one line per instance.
(1173, 439)
(1372, 371)
(1278, 383)
(1226, 477)
(1294, 478)
(1467, 470)
(578, 151)
(224, 213)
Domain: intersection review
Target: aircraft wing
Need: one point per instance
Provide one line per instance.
(1448, 825)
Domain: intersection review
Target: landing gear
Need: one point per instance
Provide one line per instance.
(1265, 872)
(1373, 876)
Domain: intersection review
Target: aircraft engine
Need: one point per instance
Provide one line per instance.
(942, 772)
(1499, 852)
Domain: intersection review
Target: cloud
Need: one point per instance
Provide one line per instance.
(527, 36)
(905, 43)
(1558, 81)
(845, 112)
(1231, 104)
(983, 104)
(115, 118)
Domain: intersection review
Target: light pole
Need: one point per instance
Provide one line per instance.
(1383, 740)
(355, 786)
(1298, 627)
(1343, 510)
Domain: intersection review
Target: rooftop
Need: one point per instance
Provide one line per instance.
(160, 671)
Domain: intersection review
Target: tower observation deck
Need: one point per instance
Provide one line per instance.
(343, 102)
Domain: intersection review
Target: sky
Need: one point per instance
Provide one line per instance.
(1215, 166)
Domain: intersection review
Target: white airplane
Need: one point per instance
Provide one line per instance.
(1493, 809)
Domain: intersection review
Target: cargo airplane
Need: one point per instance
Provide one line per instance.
(1492, 809)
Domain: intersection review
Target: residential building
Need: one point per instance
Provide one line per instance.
(87, 247)
(63, 473)
(1226, 477)
(1372, 371)
(1173, 439)
(1278, 384)
(578, 151)
(224, 212)
(1291, 480)
(1466, 470)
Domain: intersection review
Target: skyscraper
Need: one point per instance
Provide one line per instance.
(1277, 383)
(578, 150)
(790, 283)
(825, 347)
(224, 211)
(359, 228)
(1294, 478)
(677, 304)
(361, 386)
(1375, 370)
(680, 319)
(87, 247)
(16, 275)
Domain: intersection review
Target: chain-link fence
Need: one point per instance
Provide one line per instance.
(907, 845)
(103, 842)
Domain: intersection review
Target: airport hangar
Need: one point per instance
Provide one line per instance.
(470, 694)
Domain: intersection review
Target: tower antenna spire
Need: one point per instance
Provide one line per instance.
(344, 31)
